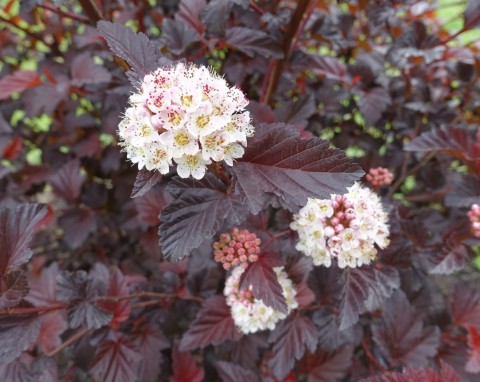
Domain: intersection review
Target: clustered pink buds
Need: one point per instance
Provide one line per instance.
(238, 248)
(474, 215)
(379, 177)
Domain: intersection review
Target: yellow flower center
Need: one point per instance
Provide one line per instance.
(146, 131)
(202, 121)
(192, 161)
(181, 139)
(174, 118)
(186, 100)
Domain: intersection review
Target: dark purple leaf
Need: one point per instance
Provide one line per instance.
(450, 259)
(329, 335)
(215, 15)
(13, 287)
(189, 12)
(80, 292)
(135, 48)
(252, 42)
(17, 226)
(455, 141)
(471, 16)
(298, 268)
(387, 281)
(401, 336)
(447, 374)
(178, 35)
(43, 287)
(144, 182)
(16, 371)
(261, 277)
(77, 223)
(116, 361)
(372, 103)
(473, 362)
(297, 113)
(17, 82)
(149, 342)
(290, 338)
(17, 333)
(245, 352)
(357, 284)
(330, 67)
(67, 182)
(260, 113)
(278, 162)
(230, 372)
(213, 325)
(185, 368)
(150, 205)
(325, 366)
(85, 71)
(199, 210)
(465, 192)
(465, 306)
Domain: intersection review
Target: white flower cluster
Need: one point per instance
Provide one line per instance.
(187, 114)
(346, 227)
(250, 314)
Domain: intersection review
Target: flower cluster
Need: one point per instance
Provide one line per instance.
(379, 177)
(474, 215)
(236, 248)
(346, 227)
(250, 314)
(186, 114)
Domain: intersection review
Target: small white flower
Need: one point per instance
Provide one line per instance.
(193, 165)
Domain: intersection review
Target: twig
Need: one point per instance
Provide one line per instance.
(68, 342)
(66, 14)
(148, 294)
(275, 237)
(39, 309)
(91, 10)
(371, 357)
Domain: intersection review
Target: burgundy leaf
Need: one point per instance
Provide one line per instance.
(68, 181)
(330, 67)
(189, 12)
(199, 210)
(53, 325)
(149, 342)
(261, 277)
(17, 82)
(465, 192)
(260, 113)
(357, 284)
(144, 182)
(215, 15)
(252, 42)
(447, 374)
(150, 205)
(17, 333)
(17, 226)
(140, 53)
(372, 103)
(401, 335)
(81, 292)
(305, 295)
(185, 368)
(329, 335)
(230, 372)
(325, 366)
(455, 141)
(77, 223)
(465, 306)
(13, 287)
(117, 287)
(297, 113)
(290, 338)
(245, 352)
(43, 287)
(85, 71)
(473, 363)
(472, 15)
(278, 162)
(450, 259)
(16, 371)
(116, 361)
(213, 325)
(178, 35)
(387, 281)
(298, 268)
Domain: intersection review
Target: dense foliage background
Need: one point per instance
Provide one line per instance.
(87, 292)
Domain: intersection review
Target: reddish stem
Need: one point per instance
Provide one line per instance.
(68, 342)
(275, 237)
(39, 309)
(66, 14)
(371, 357)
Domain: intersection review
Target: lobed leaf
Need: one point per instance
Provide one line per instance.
(327, 366)
(213, 325)
(67, 182)
(13, 287)
(473, 362)
(465, 192)
(135, 48)
(184, 367)
(198, 212)
(17, 82)
(290, 338)
(230, 372)
(372, 103)
(85, 71)
(149, 342)
(402, 337)
(116, 361)
(17, 226)
(144, 182)
(253, 42)
(262, 279)
(278, 162)
(447, 374)
(465, 306)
